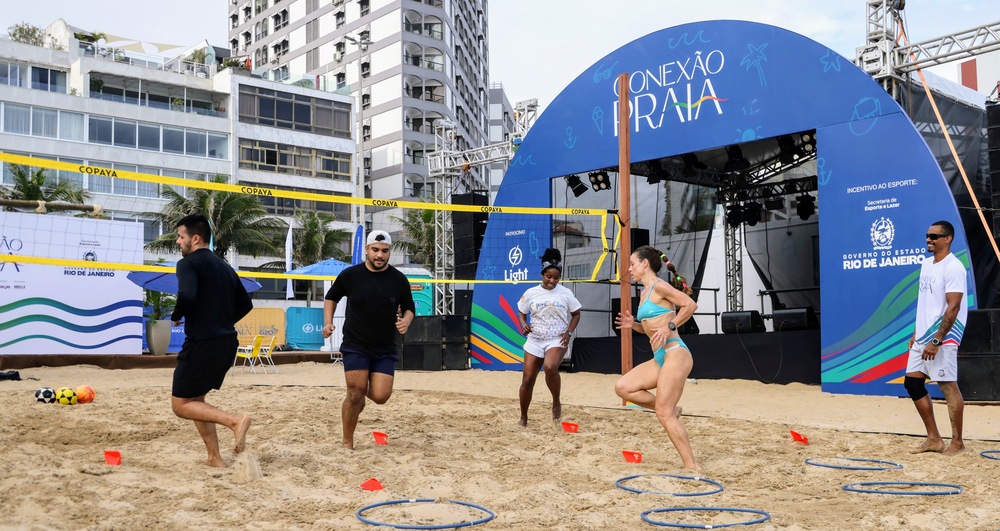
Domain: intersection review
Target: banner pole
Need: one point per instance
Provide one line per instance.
(624, 214)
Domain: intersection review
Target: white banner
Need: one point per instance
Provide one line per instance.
(67, 310)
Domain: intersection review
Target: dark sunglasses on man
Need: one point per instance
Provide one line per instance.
(933, 236)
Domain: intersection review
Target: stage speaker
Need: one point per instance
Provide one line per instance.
(742, 322)
(982, 333)
(794, 319)
(424, 329)
(639, 237)
(616, 306)
(463, 300)
(454, 328)
(456, 356)
(466, 271)
(421, 357)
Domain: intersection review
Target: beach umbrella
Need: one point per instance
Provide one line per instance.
(326, 268)
(166, 282)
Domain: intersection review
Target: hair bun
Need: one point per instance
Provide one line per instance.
(552, 256)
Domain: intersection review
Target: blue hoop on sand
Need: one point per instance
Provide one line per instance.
(892, 466)
(857, 487)
(620, 485)
(490, 514)
(764, 516)
(990, 454)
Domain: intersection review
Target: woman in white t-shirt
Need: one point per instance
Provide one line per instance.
(554, 313)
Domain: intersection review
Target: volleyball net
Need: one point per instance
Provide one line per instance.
(587, 238)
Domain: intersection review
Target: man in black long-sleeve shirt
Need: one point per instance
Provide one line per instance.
(379, 303)
(211, 299)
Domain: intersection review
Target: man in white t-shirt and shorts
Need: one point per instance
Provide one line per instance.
(942, 310)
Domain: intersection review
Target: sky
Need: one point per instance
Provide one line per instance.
(537, 47)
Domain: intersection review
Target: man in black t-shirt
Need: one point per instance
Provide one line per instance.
(379, 303)
(210, 299)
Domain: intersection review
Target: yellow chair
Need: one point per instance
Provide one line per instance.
(265, 354)
(250, 353)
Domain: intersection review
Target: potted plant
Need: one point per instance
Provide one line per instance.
(159, 306)
(178, 104)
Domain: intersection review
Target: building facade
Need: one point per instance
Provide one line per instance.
(412, 65)
(77, 100)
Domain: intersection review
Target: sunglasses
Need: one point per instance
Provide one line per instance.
(933, 237)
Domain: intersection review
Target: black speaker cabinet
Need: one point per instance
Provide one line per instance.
(616, 305)
(794, 319)
(982, 333)
(742, 322)
(454, 328)
(455, 356)
(463, 301)
(639, 238)
(424, 329)
(422, 357)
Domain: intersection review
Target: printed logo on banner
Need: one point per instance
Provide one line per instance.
(515, 256)
(882, 233)
(90, 256)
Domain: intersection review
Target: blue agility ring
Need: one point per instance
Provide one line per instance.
(764, 516)
(489, 514)
(718, 486)
(890, 464)
(990, 454)
(859, 487)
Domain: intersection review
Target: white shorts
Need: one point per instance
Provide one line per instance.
(538, 347)
(943, 368)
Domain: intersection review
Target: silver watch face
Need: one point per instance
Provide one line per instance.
(671, 325)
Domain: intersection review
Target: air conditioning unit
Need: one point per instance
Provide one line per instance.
(274, 61)
(338, 56)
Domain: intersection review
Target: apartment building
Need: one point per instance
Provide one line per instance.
(410, 65)
(75, 99)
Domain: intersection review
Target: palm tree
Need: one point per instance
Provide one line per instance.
(314, 240)
(31, 184)
(418, 239)
(239, 221)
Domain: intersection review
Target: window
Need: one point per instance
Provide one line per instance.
(294, 160)
(173, 140)
(340, 19)
(98, 183)
(10, 74)
(149, 137)
(17, 119)
(341, 80)
(196, 143)
(218, 146)
(48, 80)
(70, 126)
(72, 177)
(101, 130)
(288, 111)
(145, 189)
(366, 68)
(365, 6)
(44, 122)
(125, 186)
(124, 133)
(312, 30)
(280, 19)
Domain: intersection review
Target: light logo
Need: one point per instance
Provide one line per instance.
(514, 256)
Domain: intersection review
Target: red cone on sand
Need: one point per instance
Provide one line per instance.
(371, 484)
(381, 438)
(570, 427)
(798, 437)
(632, 457)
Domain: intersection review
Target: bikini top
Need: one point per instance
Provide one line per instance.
(650, 309)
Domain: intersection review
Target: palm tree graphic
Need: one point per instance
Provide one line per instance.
(755, 59)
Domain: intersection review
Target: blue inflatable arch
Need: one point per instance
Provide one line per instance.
(693, 87)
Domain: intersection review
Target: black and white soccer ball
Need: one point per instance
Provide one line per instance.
(45, 395)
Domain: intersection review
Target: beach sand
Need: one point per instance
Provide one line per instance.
(453, 435)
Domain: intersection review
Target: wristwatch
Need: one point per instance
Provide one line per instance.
(935, 341)
(672, 325)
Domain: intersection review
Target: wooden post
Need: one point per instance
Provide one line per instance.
(624, 214)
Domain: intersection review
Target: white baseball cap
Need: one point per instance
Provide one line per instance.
(379, 236)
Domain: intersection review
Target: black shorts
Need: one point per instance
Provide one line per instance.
(202, 365)
(359, 360)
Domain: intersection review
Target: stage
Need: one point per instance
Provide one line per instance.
(771, 357)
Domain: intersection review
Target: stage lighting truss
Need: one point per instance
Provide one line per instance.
(600, 180)
(767, 192)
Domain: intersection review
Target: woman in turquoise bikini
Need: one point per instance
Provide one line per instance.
(662, 309)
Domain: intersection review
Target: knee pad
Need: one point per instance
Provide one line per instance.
(915, 387)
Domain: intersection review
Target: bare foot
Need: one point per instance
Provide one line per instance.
(696, 466)
(216, 462)
(929, 446)
(523, 422)
(954, 448)
(348, 445)
(556, 412)
(241, 434)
